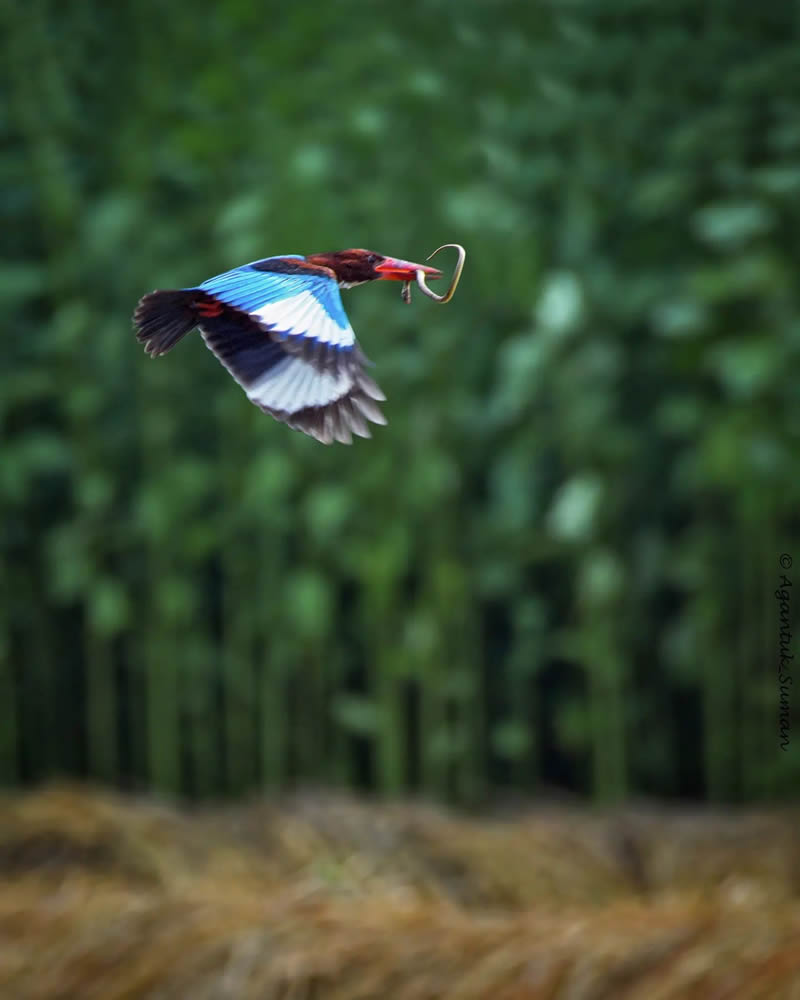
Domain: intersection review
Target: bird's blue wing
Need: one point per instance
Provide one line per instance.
(289, 298)
(286, 339)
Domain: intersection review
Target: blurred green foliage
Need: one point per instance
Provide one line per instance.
(556, 565)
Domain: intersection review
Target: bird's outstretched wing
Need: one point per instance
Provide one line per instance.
(279, 327)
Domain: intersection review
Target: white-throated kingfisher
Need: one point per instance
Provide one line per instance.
(278, 325)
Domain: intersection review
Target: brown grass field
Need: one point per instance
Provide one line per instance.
(322, 896)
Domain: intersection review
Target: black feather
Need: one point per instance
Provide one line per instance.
(162, 318)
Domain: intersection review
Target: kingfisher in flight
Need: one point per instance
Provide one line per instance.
(278, 325)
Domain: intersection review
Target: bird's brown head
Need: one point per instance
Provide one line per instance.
(354, 267)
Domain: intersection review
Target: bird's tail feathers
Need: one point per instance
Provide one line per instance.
(162, 318)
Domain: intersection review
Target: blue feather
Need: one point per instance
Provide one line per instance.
(249, 289)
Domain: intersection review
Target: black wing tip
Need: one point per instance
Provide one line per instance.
(338, 422)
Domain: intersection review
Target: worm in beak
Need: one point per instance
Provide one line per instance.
(420, 276)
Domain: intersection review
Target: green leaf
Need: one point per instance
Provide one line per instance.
(733, 223)
(357, 715)
(511, 739)
(574, 508)
(308, 604)
(109, 607)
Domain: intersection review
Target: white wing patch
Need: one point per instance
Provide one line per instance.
(294, 384)
(303, 315)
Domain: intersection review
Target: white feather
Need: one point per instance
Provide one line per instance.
(304, 383)
(294, 384)
(304, 315)
(283, 389)
(269, 377)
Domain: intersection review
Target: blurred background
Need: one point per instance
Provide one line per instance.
(555, 570)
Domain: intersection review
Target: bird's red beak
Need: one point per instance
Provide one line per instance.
(392, 269)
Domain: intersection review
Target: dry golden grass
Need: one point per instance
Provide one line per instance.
(106, 898)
